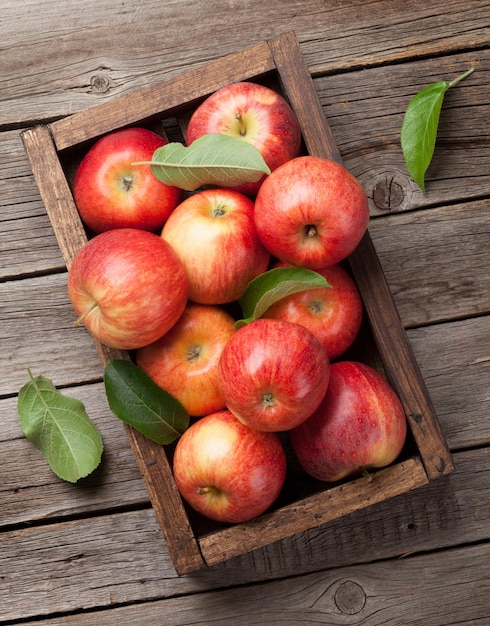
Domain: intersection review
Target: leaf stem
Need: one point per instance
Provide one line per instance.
(460, 78)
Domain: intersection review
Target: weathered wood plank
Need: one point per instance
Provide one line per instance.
(454, 360)
(436, 261)
(417, 591)
(121, 558)
(37, 332)
(84, 55)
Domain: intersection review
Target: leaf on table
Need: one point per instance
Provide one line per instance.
(60, 428)
(137, 400)
(419, 127)
(273, 285)
(212, 159)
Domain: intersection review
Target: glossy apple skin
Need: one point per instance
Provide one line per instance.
(214, 235)
(110, 191)
(360, 424)
(267, 122)
(333, 314)
(136, 282)
(311, 212)
(184, 361)
(228, 471)
(273, 374)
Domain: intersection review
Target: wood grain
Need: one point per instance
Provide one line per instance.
(410, 591)
(121, 558)
(91, 55)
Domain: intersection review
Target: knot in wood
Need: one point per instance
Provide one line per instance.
(388, 194)
(392, 191)
(350, 597)
(99, 84)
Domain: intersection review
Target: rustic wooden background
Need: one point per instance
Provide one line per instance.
(93, 553)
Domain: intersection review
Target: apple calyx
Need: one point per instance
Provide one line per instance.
(193, 354)
(127, 182)
(316, 306)
(82, 317)
(242, 129)
(219, 210)
(268, 400)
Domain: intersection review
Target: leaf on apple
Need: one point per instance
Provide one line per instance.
(212, 159)
(138, 401)
(273, 285)
(60, 428)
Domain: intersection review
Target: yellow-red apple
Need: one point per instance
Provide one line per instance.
(128, 287)
(228, 471)
(254, 113)
(214, 235)
(184, 361)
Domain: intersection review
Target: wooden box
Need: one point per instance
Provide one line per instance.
(193, 542)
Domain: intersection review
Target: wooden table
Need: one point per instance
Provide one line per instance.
(92, 553)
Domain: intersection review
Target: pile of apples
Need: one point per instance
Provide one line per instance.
(163, 273)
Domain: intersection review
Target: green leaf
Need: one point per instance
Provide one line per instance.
(60, 428)
(419, 127)
(212, 159)
(269, 287)
(137, 400)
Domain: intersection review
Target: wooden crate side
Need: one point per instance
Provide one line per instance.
(164, 97)
(55, 191)
(151, 457)
(297, 84)
(399, 360)
(314, 510)
(390, 336)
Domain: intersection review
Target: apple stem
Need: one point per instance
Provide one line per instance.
(366, 474)
(202, 491)
(80, 319)
(311, 231)
(241, 125)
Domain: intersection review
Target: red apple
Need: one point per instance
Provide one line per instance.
(311, 212)
(112, 191)
(333, 314)
(128, 287)
(273, 374)
(214, 235)
(359, 425)
(228, 471)
(184, 361)
(254, 113)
